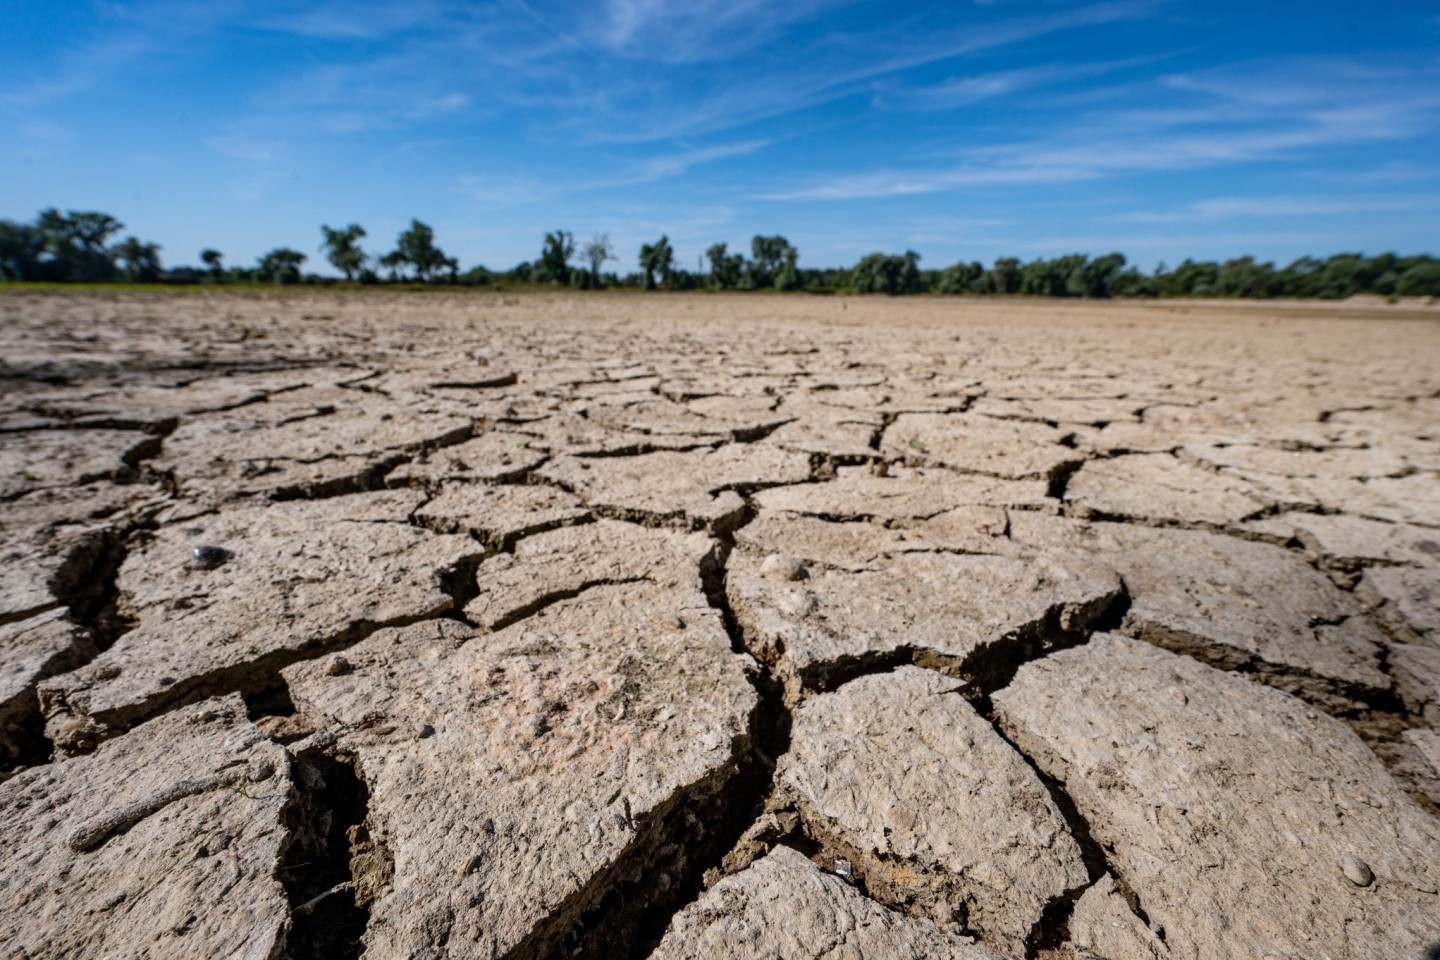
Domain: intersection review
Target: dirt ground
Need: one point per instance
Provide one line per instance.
(485, 625)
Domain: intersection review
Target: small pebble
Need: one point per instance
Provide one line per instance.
(778, 566)
(1356, 870)
(335, 665)
(206, 557)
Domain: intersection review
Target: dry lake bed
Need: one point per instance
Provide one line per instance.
(485, 625)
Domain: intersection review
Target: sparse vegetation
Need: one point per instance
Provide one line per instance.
(74, 247)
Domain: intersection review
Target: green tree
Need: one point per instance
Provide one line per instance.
(1243, 277)
(725, 267)
(596, 253)
(416, 248)
(1420, 280)
(342, 249)
(213, 259)
(962, 278)
(141, 261)
(281, 265)
(1006, 275)
(768, 255)
(788, 277)
(657, 260)
(21, 246)
(555, 256)
(1098, 276)
(887, 273)
(76, 243)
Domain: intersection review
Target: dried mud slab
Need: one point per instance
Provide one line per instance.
(30, 651)
(902, 494)
(494, 457)
(819, 428)
(1159, 487)
(569, 433)
(1219, 797)
(1087, 411)
(900, 775)
(296, 578)
(782, 906)
(1406, 600)
(1349, 544)
(564, 563)
(517, 777)
(696, 488)
(35, 460)
(58, 546)
(1103, 926)
(307, 446)
(158, 407)
(42, 567)
(498, 516)
(1343, 462)
(165, 842)
(1416, 668)
(1233, 603)
(973, 443)
(967, 615)
(721, 418)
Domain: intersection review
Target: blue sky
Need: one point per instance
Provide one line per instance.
(962, 130)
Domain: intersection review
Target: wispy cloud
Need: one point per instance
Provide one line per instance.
(962, 91)
(1235, 126)
(508, 189)
(695, 31)
(843, 66)
(1237, 208)
(354, 19)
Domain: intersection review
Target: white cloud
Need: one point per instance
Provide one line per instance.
(1236, 208)
(645, 170)
(1235, 127)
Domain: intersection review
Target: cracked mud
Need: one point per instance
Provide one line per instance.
(431, 625)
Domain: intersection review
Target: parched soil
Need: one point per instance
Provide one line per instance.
(480, 625)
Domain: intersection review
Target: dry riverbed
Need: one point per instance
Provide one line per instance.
(482, 625)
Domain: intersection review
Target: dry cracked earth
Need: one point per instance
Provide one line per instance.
(435, 626)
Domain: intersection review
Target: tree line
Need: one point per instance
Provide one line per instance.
(80, 246)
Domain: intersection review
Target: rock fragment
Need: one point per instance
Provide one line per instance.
(783, 907)
(1241, 803)
(164, 842)
(939, 813)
